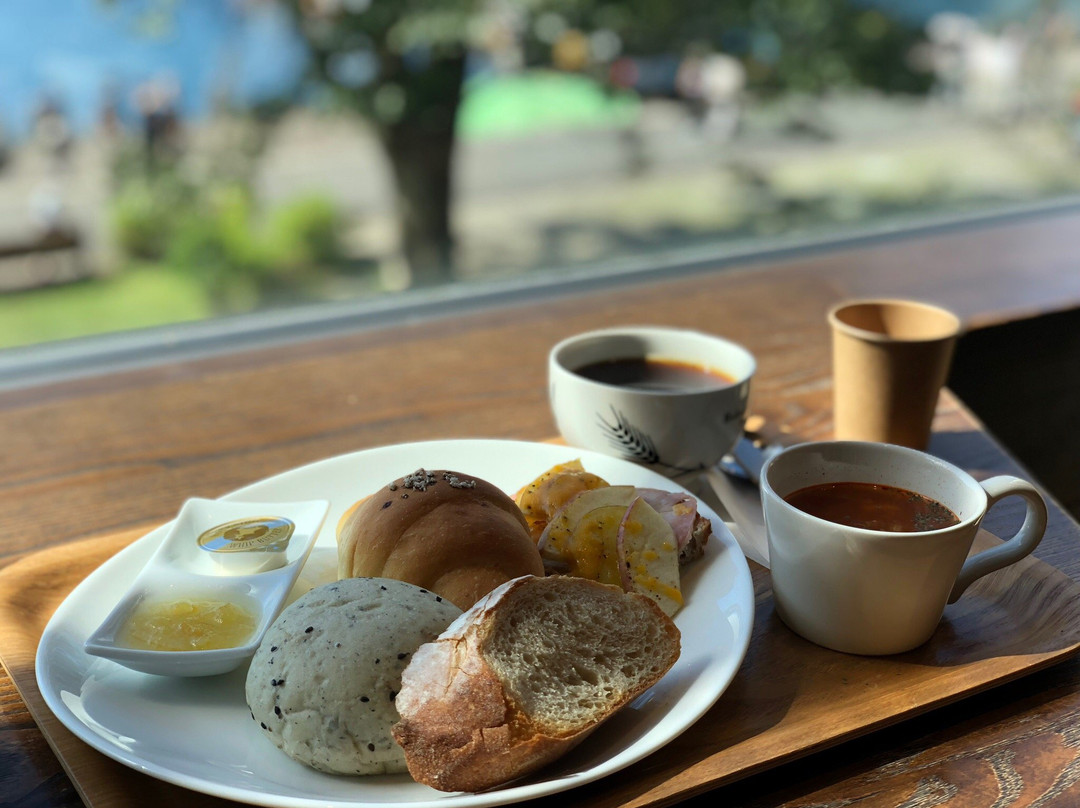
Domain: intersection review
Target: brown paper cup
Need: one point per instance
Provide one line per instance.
(890, 360)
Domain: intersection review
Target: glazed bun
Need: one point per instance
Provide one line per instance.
(456, 535)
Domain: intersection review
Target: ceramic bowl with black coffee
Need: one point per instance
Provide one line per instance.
(668, 398)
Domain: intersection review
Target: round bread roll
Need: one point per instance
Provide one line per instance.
(322, 683)
(454, 534)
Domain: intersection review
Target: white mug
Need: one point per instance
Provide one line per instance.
(672, 431)
(875, 592)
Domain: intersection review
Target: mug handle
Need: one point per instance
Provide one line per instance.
(1026, 539)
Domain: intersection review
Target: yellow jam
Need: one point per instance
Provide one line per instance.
(187, 624)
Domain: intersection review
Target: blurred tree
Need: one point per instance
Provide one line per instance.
(401, 63)
(788, 45)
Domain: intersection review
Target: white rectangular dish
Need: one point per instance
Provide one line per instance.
(181, 569)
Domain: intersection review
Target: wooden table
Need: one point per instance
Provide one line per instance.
(103, 454)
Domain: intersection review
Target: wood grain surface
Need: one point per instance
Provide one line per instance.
(101, 455)
(789, 698)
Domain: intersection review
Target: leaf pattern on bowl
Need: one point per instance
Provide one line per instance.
(628, 439)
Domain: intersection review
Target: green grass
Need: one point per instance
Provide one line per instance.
(153, 295)
(142, 297)
(539, 101)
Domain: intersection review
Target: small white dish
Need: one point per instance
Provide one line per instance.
(182, 570)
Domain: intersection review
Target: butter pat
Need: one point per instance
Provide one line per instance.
(249, 545)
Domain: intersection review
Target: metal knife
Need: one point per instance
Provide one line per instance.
(735, 497)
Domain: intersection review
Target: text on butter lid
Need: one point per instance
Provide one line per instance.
(255, 533)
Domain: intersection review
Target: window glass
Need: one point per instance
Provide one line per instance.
(166, 161)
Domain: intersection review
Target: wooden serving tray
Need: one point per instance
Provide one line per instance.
(790, 697)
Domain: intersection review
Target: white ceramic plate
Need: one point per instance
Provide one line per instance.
(197, 733)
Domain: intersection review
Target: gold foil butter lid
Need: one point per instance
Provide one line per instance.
(251, 544)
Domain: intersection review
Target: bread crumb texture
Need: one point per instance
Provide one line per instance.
(525, 675)
(323, 683)
(566, 660)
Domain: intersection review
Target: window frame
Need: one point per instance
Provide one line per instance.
(65, 360)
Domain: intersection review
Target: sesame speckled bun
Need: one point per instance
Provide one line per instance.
(323, 682)
(446, 531)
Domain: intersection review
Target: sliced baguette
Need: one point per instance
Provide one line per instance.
(524, 676)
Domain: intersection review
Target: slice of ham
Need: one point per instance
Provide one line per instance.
(678, 509)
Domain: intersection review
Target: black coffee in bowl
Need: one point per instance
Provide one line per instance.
(647, 373)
